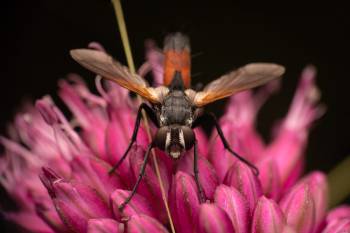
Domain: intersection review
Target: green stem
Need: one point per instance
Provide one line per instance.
(339, 182)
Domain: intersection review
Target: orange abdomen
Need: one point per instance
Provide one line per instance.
(177, 58)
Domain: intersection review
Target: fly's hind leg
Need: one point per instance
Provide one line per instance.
(212, 117)
(150, 112)
(141, 174)
(202, 196)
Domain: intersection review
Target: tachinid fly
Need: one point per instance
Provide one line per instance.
(175, 107)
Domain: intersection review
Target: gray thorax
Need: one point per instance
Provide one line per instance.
(176, 109)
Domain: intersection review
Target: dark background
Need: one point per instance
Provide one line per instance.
(37, 36)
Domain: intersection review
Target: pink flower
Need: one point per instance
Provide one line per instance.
(72, 157)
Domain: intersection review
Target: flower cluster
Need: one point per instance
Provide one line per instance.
(57, 169)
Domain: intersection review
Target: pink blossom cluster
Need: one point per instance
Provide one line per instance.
(56, 168)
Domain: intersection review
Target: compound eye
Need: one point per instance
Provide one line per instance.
(188, 137)
(161, 137)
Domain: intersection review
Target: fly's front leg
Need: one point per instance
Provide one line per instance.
(141, 174)
(202, 197)
(149, 111)
(212, 117)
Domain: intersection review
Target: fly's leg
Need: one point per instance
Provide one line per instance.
(141, 174)
(202, 197)
(149, 111)
(211, 116)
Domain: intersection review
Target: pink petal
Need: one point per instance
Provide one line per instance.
(48, 177)
(202, 142)
(48, 213)
(45, 107)
(243, 143)
(299, 207)
(340, 212)
(31, 128)
(213, 219)
(269, 177)
(317, 185)
(304, 109)
(319, 191)
(61, 166)
(338, 226)
(207, 175)
(289, 145)
(220, 158)
(94, 172)
(149, 186)
(118, 136)
(18, 162)
(95, 140)
(251, 143)
(268, 217)
(168, 162)
(144, 223)
(76, 203)
(137, 205)
(287, 151)
(92, 122)
(335, 216)
(288, 229)
(82, 199)
(117, 97)
(83, 113)
(155, 58)
(293, 176)
(117, 139)
(184, 202)
(96, 46)
(241, 177)
(238, 127)
(73, 220)
(104, 225)
(235, 205)
(63, 140)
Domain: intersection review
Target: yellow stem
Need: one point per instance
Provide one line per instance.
(339, 182)
(124, 35)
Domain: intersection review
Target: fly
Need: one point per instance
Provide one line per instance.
(175, 107)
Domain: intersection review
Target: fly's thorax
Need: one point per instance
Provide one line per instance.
(176, 109)
(167, 119)
(174, 139)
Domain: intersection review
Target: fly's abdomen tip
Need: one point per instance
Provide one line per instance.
(177, 41)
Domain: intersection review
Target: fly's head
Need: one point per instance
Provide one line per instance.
(174, 139)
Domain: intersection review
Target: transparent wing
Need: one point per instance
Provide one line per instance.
(103, 64)
(246, 77)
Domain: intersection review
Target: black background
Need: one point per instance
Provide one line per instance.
(37, 36)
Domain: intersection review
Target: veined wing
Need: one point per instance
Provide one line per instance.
(103, 64)
(246, 77)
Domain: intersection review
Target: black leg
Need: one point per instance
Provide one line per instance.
(211, 116)
(141, 174)
(202, 197)
(152, 116)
